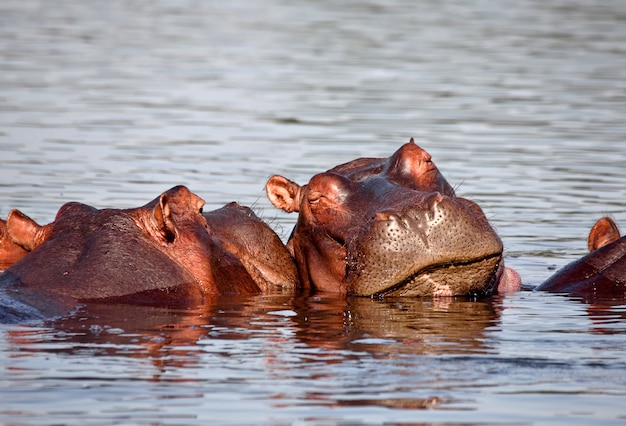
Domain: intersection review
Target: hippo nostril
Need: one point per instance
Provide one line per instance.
(388, 216)
(382, 216)
(434, 198)
(433, 208)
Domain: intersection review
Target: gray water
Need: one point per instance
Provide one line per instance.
(521, 103)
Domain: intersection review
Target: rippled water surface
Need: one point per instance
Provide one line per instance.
(521, 103)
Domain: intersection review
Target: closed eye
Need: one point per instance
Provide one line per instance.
(314, 196)
(338, 240)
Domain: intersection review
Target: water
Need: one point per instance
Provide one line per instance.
(521, 105)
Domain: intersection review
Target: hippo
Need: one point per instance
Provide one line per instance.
(239, 229)
(601, 273)
(391, 226)
(161, 254)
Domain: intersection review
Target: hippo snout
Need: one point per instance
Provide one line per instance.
(438, 246)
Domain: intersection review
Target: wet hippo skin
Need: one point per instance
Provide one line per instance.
(239, 230)
(9, 251)
(256, 245)
(601, 273)
(161, 254)
(390, 227)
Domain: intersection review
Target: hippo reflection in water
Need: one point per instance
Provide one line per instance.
(162, 254)
(390, 227)
(601, 273)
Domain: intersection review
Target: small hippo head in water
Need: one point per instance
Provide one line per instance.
(161, 254)
(601, 274)
(390, 227)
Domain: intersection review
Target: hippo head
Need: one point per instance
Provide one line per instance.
(389, 227)
(163, 253)
(600, 276)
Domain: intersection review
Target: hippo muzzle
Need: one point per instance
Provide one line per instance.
(442, 246)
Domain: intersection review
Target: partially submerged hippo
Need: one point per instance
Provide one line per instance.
(161, 254)
(390, 227)
(601, 273)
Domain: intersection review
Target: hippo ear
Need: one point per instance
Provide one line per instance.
(283, 193)
(604, 231)
(22, 230)
(163, 218)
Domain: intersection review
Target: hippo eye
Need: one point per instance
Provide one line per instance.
(314, 196)
(200, 210)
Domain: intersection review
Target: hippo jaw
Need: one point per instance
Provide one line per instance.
(453, 279)
(446, 249)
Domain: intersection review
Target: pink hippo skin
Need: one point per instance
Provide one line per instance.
(9, 251)
(237, 228)
(256, 245)
(161, 254)
(390, 227)
(601, 273)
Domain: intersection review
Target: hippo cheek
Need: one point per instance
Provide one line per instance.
(443, 250)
